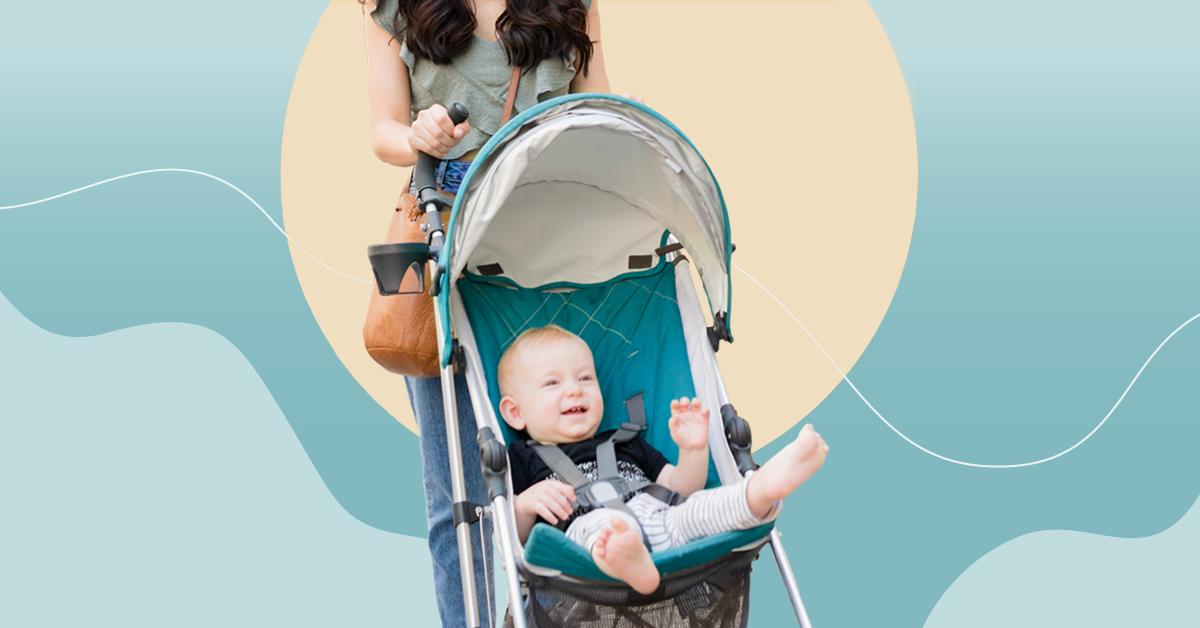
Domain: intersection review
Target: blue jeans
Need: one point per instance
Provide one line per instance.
(449, 175)
(425, 395)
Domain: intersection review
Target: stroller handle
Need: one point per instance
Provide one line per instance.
(432, 201)
(425, 172)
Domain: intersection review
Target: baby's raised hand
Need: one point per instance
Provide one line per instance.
(689, 423)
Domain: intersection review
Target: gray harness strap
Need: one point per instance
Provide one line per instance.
(606, 452)
(562, 465)
(610, 490)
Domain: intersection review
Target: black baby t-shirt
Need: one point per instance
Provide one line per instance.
(637, 461)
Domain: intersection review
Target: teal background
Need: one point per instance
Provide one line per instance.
(154, 338)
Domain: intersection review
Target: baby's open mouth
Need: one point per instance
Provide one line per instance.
(577, 410)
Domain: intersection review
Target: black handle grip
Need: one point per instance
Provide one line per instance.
(458, 114)
(425, 174)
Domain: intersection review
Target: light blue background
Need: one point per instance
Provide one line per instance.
(149, 477)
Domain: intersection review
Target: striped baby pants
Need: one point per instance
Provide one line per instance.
(705, 513)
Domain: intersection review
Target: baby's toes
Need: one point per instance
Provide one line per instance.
(602, 541)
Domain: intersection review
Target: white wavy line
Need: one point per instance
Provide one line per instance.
(785, 309)
(966, 464)
(203, 174)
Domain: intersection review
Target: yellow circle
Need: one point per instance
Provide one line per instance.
(821, 197)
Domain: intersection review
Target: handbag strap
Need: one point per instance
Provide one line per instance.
(512, 95)
(403, 191)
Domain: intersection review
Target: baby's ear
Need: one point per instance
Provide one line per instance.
(511, 413)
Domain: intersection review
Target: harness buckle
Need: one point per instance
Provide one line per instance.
(600, 492)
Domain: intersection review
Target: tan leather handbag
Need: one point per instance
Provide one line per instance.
(400, 333)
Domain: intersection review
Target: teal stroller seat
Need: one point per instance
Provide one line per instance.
(589, 211)
(635, 330)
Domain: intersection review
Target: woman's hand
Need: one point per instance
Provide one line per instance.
(434, 134)
(632, 97)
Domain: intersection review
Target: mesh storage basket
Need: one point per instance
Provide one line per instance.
(713, 595)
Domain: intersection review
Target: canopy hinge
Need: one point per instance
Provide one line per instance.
(719, 331)
(458, 359)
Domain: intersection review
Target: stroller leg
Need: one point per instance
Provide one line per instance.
(458, 483)
(516, 609)
(789, 579)
(781, 559)
(458, 486)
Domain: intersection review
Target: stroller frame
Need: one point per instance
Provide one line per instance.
(733, 431)
(514, 564)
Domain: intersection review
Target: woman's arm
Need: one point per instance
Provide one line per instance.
(597, 79)
(395, 137)
(389, 95)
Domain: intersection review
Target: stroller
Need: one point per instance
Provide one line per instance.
(586, 211)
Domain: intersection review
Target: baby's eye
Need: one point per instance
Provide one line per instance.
(586, 378)
(551, 382)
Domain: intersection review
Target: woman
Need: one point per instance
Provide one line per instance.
(422, 55)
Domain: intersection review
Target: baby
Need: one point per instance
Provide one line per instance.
(549, 389)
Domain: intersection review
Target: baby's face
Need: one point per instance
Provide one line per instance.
(555, 396)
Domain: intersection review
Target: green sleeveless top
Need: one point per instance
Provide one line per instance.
(478, 78)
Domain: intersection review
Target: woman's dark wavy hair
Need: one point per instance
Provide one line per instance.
(529, 30)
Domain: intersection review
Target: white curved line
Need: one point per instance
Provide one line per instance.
(966, 464)
(785, 309)
(203, 174)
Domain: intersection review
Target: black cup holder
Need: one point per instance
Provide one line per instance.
(392, 261)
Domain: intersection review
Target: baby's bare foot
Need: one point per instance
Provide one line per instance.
(620, 553)
(786, 470)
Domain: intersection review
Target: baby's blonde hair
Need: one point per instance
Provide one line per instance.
(529, 338)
